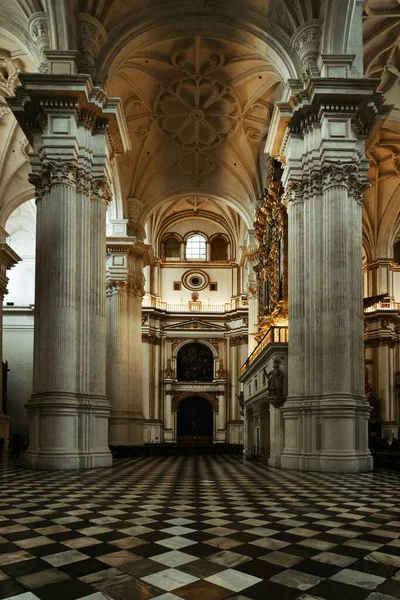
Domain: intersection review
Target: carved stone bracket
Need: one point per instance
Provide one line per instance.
(306, 43)
(92, 37)
(39, 32)
(9, 71)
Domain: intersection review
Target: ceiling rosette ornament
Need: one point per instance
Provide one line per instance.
(198, 113)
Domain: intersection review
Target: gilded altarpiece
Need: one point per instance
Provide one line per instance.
(271, 232)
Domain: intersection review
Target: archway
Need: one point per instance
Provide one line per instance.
(195, 421)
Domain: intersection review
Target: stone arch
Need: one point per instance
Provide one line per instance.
(177, 398)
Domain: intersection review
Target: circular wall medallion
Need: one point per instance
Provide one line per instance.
(195, 281)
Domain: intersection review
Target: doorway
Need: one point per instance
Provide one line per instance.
(195, 421)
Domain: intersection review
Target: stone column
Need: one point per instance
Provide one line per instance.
(221, 418)
(69, 127)
(8, 258)
(125, 289)
(326, 412)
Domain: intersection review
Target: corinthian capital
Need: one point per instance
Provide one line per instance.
(101, 191)
(345, 175)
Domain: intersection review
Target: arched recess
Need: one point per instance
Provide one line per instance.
(219, 247)
(195, 362)
(171, 246)
(177, 398)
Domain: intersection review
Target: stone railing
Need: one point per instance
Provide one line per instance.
(198, 307)
(383, 305)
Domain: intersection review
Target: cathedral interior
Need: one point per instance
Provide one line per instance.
(200, 272)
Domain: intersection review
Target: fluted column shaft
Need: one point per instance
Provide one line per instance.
(325, 412)
(8, 258)
(125, 288)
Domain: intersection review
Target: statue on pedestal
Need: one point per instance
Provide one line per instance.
(275, 384)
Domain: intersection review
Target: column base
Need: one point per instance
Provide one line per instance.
(68, 431)
(152, 431)
(65, 462)
(126, 429)
(326, 434)
(326, 464)
(234, 432)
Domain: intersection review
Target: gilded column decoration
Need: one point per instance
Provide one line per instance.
(272, 267)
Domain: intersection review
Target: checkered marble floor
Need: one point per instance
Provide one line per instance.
(198, 528)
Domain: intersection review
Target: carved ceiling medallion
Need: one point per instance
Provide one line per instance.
(198, 113)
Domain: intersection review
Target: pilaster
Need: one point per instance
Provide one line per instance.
(8, 259)
(125, 289)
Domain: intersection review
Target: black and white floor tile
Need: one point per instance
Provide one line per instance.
(198, 528)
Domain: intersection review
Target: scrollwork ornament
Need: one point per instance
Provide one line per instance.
(36, 180)
(83, 182)
(357, 186)
(60, 172)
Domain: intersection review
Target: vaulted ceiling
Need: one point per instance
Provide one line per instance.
(198, 109)
(198, 80)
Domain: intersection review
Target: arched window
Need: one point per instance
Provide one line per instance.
(172, 247)
(196, 247)
(219, 248)
(396, 252)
